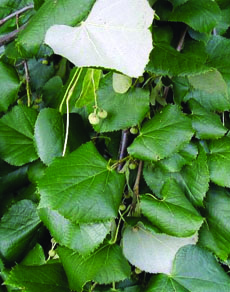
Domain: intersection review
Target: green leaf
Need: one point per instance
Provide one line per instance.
(89, 87)
(166, 133)
(210, 90)
(121, 83)
(152, 252)
(175, 162)
(9, 84)
(83, 238)
(49, 135)
(219, 161)
(118, 106)
(206, 124)
(201, 15)
(197, 270)
(81, 187)
(174, 214)
(178, 2)
(35, 256)
(17, 229)
(166, 60)
(194, 178)
(215, 234)
(49, 277)
(104, 266)
(16, 136)
(49, 14)
(113, 36)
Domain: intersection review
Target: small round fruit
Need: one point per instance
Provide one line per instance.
(93, 119)
(19, 101)
(132, 165)
(138, 271)
(45, 62)
(52, 253)
(102, 114)
(122, 207)
(134, 130)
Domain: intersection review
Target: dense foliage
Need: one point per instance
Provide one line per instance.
(114, 145)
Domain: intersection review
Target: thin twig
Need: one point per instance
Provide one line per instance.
(16, 13)
(11, 36)
(27, 83)
(181, 41)
(123, 147)
(138, 177)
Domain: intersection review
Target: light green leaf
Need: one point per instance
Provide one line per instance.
(174, 214)
(121, 83)
(194, 178)
(35, 256)
(49, 277)
(83, 238)
(197, 270)
(9, 84)
(210, 90)
(89, 86)
(185, 156)
(118, 106)
(206, 124)
(215, 234)
(104, 266)
(152, 252)
(17, 229)
(49, 14)
(166, 133)
(16, 136)
(49, 135)
(201, 15)
(82, 187)
(113, 36)
(219, 161)
(180, 64)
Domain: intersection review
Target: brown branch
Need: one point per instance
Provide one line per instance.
(16, 13)
(11, 36)
(138, 177)
(123, 147)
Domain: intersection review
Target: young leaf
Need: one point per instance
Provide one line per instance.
(113, 36)
(118, 106)
(9, 84)
(215, 233)
(49, 277)
(81, 187)
(166, 133)
(206, 124)
(201, 15)
(17, 229)
(152, 252)
(49, 135)
(16, 136)
(197, 270)
(83, 238)
(104, 266)
(69, 12)
(174, 214)
(219, 161)
(121, 83)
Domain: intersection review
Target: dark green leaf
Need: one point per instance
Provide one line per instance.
(118, 106)
(174, 214)
(106, 265)
(49, 135)
(35, 256)
(166, 133)
(69, 12)
(49, 278)
(83, 238)
(82, 187)
(219, 161)
(215, 233)
(178, 2)
(201, 15)
(17, 229)
(9, 84)
(206, 124)
(16, 136)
